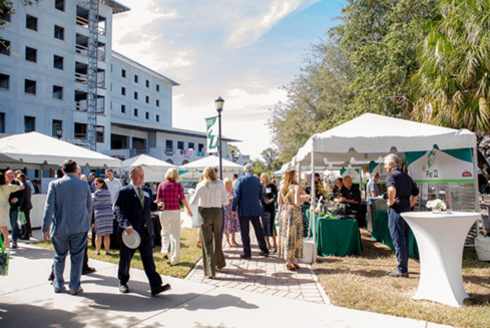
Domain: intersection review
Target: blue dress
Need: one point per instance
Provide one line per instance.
(104, 217)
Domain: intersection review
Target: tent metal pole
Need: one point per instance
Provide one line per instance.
(313, 196)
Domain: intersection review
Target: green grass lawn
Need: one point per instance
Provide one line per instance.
(189, 255)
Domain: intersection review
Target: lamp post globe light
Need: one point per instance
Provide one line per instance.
(219, 107)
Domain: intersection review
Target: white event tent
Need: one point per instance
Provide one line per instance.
(228, 167)
(154, 168)
(371, 136)
(34, 149)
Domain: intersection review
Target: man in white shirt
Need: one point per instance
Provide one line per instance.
(113, 184)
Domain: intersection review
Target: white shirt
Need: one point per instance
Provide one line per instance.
(214, 195)
(114, 187)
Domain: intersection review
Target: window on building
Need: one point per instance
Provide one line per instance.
(59, 32)
(147, 99)
(29, 124)
(5, 48)
(31, 22)
(135, 95)
(123, 109)
(5, 15)
(100, 133)
(57, 92)
(147, 83)
(123, 91)
(180, 145)
(136, 112)
(60, 5)
(158, 88)
(190, 146)
(201, 147)
(31, 55)
(169, 144)
(158, 118)
(2, 122)
(119, 141)
(58, 62)
(158, 103)
(136, 78)
(4, 81)
(123, 73)
(30, 87)
(147, 115)
(57, 125)
(80, 131)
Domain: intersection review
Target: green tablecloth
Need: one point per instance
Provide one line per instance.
(381, 233)
(338, 237)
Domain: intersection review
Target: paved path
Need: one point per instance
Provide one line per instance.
(264, 275)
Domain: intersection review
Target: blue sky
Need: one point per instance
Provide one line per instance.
(243, 51)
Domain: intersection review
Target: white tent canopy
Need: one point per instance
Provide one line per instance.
(154, 168)
(370, 136)
(229, 168)
(34, 149)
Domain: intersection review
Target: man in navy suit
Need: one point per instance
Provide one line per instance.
(132, 211)
(248, 192)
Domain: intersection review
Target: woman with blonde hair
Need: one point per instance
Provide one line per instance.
(268, 204)
(291, 222)
(210, 195)
(168, 195)
(231, 224)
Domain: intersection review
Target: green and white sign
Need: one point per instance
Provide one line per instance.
(435, 165)
(212, 131)
(355, 174)
(380, 169)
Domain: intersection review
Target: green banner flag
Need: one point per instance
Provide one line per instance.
(212, 134)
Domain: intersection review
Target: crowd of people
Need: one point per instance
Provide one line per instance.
(75, 205)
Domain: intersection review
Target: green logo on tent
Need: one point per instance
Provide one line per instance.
(431, 158)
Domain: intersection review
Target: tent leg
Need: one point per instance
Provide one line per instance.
(475, 184)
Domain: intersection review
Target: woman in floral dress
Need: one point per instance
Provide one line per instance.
(5, 191)
(231, 225)
(291, 196)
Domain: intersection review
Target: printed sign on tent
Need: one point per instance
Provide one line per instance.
(380, 169)
(355, 174)
(212, 134)
(441, 166)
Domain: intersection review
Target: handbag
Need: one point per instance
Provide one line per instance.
(4, 260)
(21, 218)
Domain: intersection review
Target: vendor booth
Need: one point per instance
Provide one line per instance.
(35, 150)
(443, 160)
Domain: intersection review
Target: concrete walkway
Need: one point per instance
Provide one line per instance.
(27, 299)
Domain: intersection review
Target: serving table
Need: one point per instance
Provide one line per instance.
(338, 237)
(440, 238)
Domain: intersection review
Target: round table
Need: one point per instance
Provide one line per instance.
(441, 238)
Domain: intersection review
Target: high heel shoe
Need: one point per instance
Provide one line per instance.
(296, 266)
(290, 267)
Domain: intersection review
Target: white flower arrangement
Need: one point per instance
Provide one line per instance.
(436, 205)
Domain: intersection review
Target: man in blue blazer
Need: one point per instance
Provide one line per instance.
(248, 193)
(132, 211)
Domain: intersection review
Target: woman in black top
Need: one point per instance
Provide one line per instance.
(269, 210)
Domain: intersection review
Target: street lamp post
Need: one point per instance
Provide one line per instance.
(219, 107)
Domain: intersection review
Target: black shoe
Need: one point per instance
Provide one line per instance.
(51, 276)
(14, 244)
(243, 256)
(88, 270)
(264, 254)
(398, 274)
(159, 289)
(123, 288)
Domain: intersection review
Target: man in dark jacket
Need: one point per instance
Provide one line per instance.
(25, 207)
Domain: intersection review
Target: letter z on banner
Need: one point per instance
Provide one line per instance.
(212, 134)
